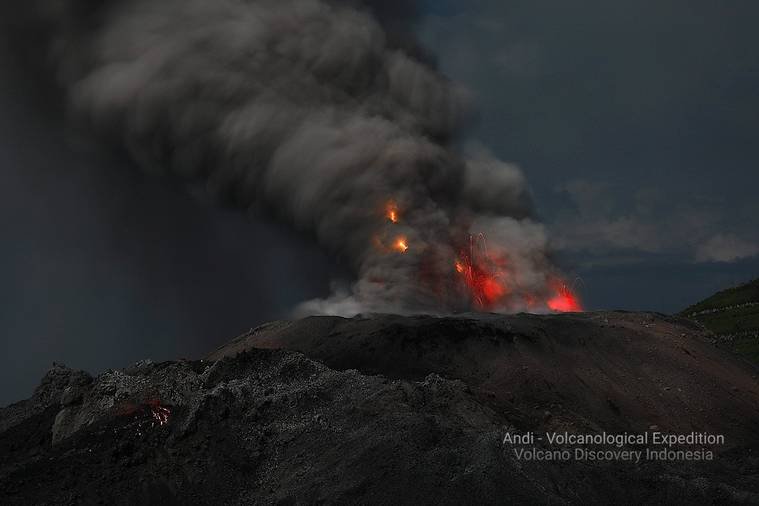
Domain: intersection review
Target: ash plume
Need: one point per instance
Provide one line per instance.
(326, 115)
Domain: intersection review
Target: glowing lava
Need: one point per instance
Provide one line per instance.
(401, 245)
(151, 410)
(160, 413)
(485, 287)
(483, 275)
(488, 281)
(564, 301)
(392, 212)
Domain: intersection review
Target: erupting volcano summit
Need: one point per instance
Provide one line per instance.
(323, 115)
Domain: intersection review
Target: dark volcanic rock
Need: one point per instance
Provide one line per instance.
(390, 410)
(611, 371)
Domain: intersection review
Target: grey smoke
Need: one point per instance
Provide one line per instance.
(312, 112)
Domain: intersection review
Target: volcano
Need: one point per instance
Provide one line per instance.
(382, 409)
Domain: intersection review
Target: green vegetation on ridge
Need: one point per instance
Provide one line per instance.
(733, 315)
(743, 294)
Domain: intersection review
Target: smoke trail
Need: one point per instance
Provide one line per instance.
(320, 113)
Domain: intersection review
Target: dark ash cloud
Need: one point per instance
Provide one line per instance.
(311, 112)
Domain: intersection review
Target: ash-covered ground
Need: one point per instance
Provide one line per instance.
(392, 410)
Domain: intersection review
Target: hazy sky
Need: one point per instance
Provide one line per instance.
(634, 122)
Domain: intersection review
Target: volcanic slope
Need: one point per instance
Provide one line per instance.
(392, 410)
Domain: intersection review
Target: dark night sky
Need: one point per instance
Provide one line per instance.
(633, 122)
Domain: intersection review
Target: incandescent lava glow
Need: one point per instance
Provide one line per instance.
(152, 409)
(489, 280)
(392, 212)
(401, 245)
(482, 278)
(159, 413)
(484, 281)
(564, 300)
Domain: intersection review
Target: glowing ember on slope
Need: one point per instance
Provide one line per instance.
(152, 408)
(160, 413)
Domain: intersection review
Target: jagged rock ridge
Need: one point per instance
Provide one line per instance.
(389, 410)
